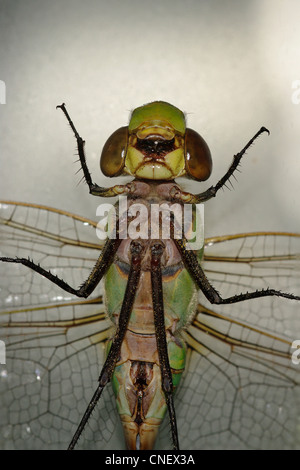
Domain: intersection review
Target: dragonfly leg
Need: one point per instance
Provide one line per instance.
(212, 191)
(160, 332)
(136, 248)
(190, 260)
(101, 266)
(95, 190)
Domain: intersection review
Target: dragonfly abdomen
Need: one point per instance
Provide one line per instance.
(137, 386)
(136, 379)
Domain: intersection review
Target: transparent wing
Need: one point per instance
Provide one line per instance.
(240, 387)
(54, 343)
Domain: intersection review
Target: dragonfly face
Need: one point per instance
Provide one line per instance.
(156, 145)
(239, 388)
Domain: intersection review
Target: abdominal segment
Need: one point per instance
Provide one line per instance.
(137, 386)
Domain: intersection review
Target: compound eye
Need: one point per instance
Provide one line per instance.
(113, 154)
(198, 162)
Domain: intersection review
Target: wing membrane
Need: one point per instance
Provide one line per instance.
(241, 386)
(54, 342)
(59, 241)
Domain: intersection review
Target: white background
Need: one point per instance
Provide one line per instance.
(228, 64)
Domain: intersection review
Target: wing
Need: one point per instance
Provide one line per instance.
(54, 343)
(241, 389)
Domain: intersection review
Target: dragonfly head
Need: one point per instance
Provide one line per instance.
(156, 145)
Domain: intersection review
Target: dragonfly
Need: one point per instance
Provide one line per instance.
(218, 367)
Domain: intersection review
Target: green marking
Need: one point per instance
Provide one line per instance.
(158, 111)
